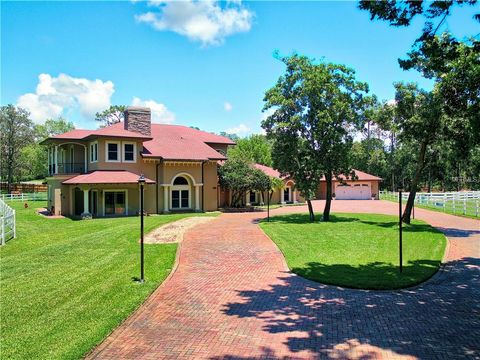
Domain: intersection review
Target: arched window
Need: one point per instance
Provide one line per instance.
(180, 180)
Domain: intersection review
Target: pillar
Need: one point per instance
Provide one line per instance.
(165, 199)
(248, 199)
(85, 213)
(197, 198)
(294, 196)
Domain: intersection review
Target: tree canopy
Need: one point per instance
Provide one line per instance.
(255, 148)
(112, 115)
(317, 108)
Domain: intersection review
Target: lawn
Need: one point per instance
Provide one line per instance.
(357, 250)
(67, 284)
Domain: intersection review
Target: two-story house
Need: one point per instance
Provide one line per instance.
(95, 172)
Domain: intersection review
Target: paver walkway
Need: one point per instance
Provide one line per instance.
(233, 298)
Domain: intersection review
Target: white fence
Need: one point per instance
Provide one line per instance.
(457, 203)
(25, 196)
(7, 223)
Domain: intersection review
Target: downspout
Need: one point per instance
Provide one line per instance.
(203, 187)
(156, 189)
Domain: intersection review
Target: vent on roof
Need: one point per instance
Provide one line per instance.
(138, 119)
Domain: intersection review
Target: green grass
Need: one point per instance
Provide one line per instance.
(65, 284)
(357, 250)
(469, 213)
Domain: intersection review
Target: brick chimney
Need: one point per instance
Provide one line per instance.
(138, 119)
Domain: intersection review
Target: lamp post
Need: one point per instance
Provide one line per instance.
(141, 182)
(400, 224)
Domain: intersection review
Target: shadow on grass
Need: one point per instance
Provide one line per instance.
(437, 319)
(372, 276)
(304, 219)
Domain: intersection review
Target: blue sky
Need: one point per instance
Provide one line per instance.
(196, 64)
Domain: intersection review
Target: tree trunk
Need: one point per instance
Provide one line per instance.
(310, 210)
(413, 186)
(328, 203)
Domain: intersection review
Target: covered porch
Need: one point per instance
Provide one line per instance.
(67, 158)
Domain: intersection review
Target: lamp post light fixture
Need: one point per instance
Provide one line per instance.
(400, 226)
(141, 182)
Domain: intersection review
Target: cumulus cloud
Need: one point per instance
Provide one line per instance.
(227, 106)
(160, 113)
(55, 95)
(205, 21)
(238, 130)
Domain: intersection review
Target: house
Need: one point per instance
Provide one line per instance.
(95, 172)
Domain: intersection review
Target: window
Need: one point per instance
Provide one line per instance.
(180, 193)
(115, 203)
(129, 152)
(112, 152)
(94, 152)
(180, 180)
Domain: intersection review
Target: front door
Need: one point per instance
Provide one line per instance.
(286, 194)
(78, 201)
(180, 199)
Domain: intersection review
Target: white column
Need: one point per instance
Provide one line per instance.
(294, 196)
(48, 160)
(85, 202)
(165, 198)
(56, 159)
(248, 199)
(197, 197)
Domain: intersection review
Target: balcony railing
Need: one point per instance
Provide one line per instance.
(67, 168)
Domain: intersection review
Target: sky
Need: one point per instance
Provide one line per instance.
(204, 64)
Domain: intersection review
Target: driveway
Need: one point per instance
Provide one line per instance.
(232, 297)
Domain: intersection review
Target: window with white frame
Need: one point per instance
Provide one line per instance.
(129, 152)
(112, 151)
(94, 152)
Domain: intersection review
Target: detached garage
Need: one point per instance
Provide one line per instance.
(364, 187)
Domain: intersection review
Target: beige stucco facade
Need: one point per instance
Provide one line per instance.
(70, 200)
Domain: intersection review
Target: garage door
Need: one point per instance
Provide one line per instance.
(353, 192)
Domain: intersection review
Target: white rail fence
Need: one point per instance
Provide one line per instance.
(457, 203)
(38, 196)
(7, 223)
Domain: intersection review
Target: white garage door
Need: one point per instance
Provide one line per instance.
(353, 192)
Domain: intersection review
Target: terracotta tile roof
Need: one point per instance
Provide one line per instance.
(360, 176)
(170, 142)
(106, 177)
(176, 142)
(268, 170)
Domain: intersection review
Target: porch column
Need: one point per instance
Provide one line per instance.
(282, 196)
(56, 159)
(165, 199)
(85, 203)
(247, 200)
(48, 161)
(197, 197)
(294, 196)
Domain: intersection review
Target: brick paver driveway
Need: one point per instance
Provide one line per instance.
(232, 297)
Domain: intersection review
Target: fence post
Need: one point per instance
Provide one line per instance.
(3, 230)
(476, 208)
(14, 224)
(464, 206)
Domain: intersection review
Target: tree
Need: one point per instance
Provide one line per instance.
(239, 176)
(255, 148)
(110, 116)
(52, 127)
(233, 137)
(317, 107)
(16, 132)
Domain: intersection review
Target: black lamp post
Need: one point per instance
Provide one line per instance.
(400, 224)
(141, 182)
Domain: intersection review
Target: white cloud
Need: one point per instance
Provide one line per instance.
(227, 106)
(55, 95)
(160, 113)
(203, 21)
(238, 130)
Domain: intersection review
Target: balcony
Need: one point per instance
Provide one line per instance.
(67, 168)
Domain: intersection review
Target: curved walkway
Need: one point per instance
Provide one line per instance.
(232, 297)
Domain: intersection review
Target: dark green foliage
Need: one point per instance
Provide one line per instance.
(239, 176)
(255, 148)
(317, 107)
